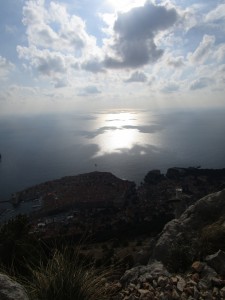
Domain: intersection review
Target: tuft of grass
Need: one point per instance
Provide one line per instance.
(66, 277)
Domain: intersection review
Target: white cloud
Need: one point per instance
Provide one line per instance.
(203, 51)
(58, 42)
(5, 67)
(217, 14)
(55, 29)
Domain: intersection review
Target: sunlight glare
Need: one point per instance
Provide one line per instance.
(125, 5)
(118, 136)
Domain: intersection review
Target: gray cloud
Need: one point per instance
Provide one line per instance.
(89, 90)
(137, 77)
(176, 62)
(200, 83)
(170, 88)
(135, 30)
(93, 66)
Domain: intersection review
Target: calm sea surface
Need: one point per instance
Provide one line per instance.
(127, 143)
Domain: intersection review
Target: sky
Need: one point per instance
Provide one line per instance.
(87, 55)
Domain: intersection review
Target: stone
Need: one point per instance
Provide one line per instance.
(218, 282)
(130, 275)
(195, 277)
(175, 295)
(174, 280)
(196, 293)
(192, 221)
(222, 292)
(217, 262)
(215, 291)
(181, 284)
(11, 290)
(197, 266)
(162, 281)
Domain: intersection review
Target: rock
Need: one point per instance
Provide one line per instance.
(11, 290)
(217, 262)
(197, 266)
(162, 281)
(130, 275)
(204, 212)
(217, 282)
(142, 257)
(175, 295)
(181, 284)
(222, 292)
(195, 277)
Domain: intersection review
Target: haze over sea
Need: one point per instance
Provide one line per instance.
(128, 143)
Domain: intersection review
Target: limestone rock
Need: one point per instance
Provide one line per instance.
(204, 212)
(217, 262)
(11, 290)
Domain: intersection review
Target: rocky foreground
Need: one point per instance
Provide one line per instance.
(154, 282)
(200, 228)
(187, 260)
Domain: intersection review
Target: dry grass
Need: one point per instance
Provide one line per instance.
(66, 277)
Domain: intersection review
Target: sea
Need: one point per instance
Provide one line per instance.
(128, 143)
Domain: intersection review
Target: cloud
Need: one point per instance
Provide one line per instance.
(46, 62)
(58, 42)
(89, 90)
(52, 27)
(170, 88)
(5, 67)
(201, 54)
(176, 62)
(216, 14)
(134, 32)
(93, 65)
(137, 77)
(201, 83)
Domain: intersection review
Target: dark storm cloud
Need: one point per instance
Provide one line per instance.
(135, 30)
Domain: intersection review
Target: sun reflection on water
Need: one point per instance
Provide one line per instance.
(121, 133)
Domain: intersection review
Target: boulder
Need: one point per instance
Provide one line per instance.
(143, 273)
(217, 262)
(204, 212)
(11, 290)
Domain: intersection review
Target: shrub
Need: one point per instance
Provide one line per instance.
(180, 255)
(212, 238)
(18, 247)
